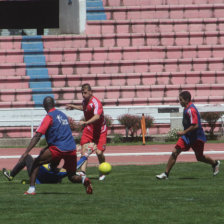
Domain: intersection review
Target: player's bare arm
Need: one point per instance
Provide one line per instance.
(91, 120)
(191, 128)
(73, 107)
(33, 142)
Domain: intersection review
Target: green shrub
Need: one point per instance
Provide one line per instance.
(211, 118)
(172, 134)
(132, 123)
(117, 138)
(109, 120)
(148, 121)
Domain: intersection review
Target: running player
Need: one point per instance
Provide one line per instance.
(192, 137)
(95, 129)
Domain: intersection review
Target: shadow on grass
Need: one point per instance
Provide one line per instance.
(188, 178)
(56, 193)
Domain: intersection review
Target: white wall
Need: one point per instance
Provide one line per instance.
(72, 17)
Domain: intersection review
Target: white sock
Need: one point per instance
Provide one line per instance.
(31, 189)
(83, 179)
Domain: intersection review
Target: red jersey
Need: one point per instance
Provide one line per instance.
(93, 107)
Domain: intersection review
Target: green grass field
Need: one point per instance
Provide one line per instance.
(130, 194)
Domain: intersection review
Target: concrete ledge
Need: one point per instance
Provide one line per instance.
(11, 142)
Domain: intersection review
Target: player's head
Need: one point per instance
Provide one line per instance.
(86, 91)
(184, 98)
(48, 103)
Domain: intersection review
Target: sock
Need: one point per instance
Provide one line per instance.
(81, 161)
(166, 174)
(83, 179)
(31, 189)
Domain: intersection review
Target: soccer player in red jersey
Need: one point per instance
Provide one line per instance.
(192, 137)
(61, 145)
(95, 129)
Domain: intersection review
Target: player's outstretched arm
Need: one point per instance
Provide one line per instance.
(73, 107)
(32, 143)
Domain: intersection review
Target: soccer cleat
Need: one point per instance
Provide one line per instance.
(81, 173)
(27, 193)
(6, 173)
(102, 177)
(88, 186)
(216, 168)
(162, 176)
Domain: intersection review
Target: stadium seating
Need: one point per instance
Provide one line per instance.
(134, 52)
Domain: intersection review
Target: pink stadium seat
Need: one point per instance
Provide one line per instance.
(58, 81)
(202, 90)
(110, 102)
(137, 40)
(113, 92)
(211, 40)
(122, 27)
(196, 39)
(215, 64)
(138, 27)
(180, 26)
(93, 27)
(143, 54)
(167, 40)
(53, 56)
(171, 90)
(123, 42)
(166, 28)
(204, 52)
(69, 55)
(218, 12)
(86, 55)
(147, 78)
(66, 69)
(199, 65)
(179, 79)
(208, 78)
(109, 41)
(96, 67)
(103, 80)
(111, 67)
(133, 79)
(157, 91)
(176, 14)
(156, 66)
(112, 3)
(172, 65)
(152, 40)
(22, 95)
(219, 77)
(115, 54)
(216, 90)
(163, 78)
(13, 57)
(182, 40)
(143, 91)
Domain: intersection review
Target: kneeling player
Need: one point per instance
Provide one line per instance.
(47, 173)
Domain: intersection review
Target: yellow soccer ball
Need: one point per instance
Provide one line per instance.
(105, 168)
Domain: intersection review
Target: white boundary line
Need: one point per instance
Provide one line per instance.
(129, 154)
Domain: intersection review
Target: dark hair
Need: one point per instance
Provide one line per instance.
(48, 103)
(86, 86)
(185, 95)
